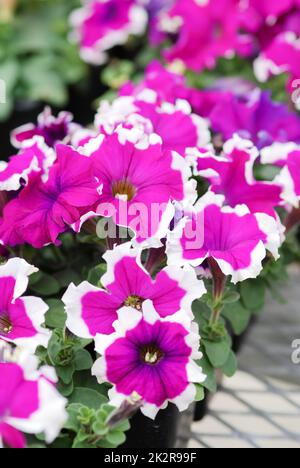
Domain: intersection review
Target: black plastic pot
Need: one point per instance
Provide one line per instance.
(161, 433)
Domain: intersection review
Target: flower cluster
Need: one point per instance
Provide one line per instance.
(146, 224)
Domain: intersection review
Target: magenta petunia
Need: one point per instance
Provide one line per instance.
(151, 357)
(165, 85)
(139, 184)
(101, 25)
(232, 176)
(92, 310)
(252, 115)
(204, 31)
(177, 126)
(52, 129)
(29, 401)
(45, 209)
(258, 13)
(235, 238)
(34, 156)
(21, 317)
(282, 55)
(289, 177)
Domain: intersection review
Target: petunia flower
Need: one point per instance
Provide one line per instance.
(163, 84)
(152, 357)
(52, 129)
(282, 55)
(177, 126)
(204, 31)
(257, 13)
(21, 317)
(93, 310)
(277, 153)
(289, 178)
(139, 184)
(252, 116)
(235, 238)
(101, 25)
(29, 401)
(43, 210)
(35, 156)
(232, 176)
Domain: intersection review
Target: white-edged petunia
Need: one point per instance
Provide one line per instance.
(29, 401)
(235, 238)
(152, 357)
(91, 310)
(21, 317)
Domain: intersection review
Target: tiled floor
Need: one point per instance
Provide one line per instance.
(260, 406)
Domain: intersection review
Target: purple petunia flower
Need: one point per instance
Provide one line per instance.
(150, 357)
(101, 25)
(45, 209)
(253, 116)
(52, 129)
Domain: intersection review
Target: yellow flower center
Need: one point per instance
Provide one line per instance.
(151, 355)
(123, 190)
(136, 302)
(5, 325)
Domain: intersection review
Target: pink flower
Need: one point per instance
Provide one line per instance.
(34, 156)
(232, 176)
(92, 310)
(290, 177)
(253, 116)
(236, 239)
(101, 25)
(166, 86)
(52, 129)
(139, 184)
(205, 31)
(281, 56)
(21, 318)
(257, 13)
(43, 210)
(29, 402)
(178, 128)
(151, 357)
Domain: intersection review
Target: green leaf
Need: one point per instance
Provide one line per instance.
(210, 382)
(47, 285)
(56, 316)
(231, 365)
(218, 352)
(116, 438)
(87, 397)
(238, 316)
(253, 294)
(73, 423)
(95, 274)
(66, 277)
(230, 297)
(200, 393)
(83, 360)
(65, 373)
